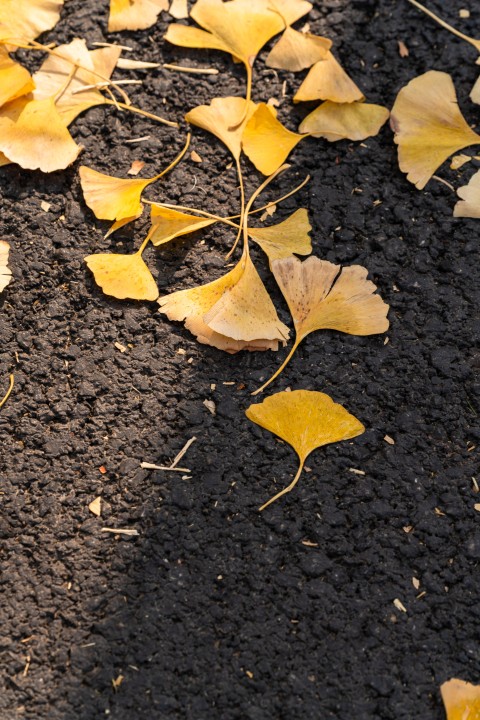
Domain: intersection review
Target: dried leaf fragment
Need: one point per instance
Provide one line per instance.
(327, 80)
(95, 506)
(341, 121)
(136, 167)
(134, 14)
(459, 160)
(324, 296)
(266, 142)
(168, 224)
(297, 51)
(33, 135)
(461, 699)
(26, 19)
(179, 9)
(286, 238)
(123, 276)
(428, 126)
(469, 205)
(15, 80)
(306, 420)
(5, 272)
(221, 118)
(232, 313)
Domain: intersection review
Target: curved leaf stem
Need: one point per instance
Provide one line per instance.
(242, 208)
(282, 367)
(252, 199)
(145, 113)
(285, 490)
(8, 393)
(450, 28)
(175, 161)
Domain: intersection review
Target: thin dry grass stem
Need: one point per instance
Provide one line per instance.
(450, 28)
(9, 391)
(285, 490)
(145, 113)
(194, 71)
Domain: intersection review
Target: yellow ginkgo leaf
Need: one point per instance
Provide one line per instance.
(4, 160)
(469, 205)
(25, 19)
(168, 223)
(33, 135)
(232, 313)
(428, 126)
(134, 14)
(15, 80)
(5, 272)
(123, 276)
(285, 238)
(240, 27)
(297, 51)
(266, 142)
(324, 296)
(58, 77)
(112, 198)
(221, 118)
(327, 80)
(475, 92)
(122, 222)
(306, 420)
(461, 699)
(345, 121)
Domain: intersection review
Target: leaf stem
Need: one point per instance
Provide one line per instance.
(10, 388)
(143, 245)
(282, 366)
(145, 113)
(176, 161)
(257, 192)
(242, 207)
(285, 490)
(450, 28)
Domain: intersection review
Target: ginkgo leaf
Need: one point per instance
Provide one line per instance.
(26, 19)
(179, 9)
(266, 142)
(324, 296)
(327, 80)
(123, 276)
(232, 313)
(469, 205)
(297, 51)
(134, 14)
(33, 135)
(285, 238)
(428, 126)
(112, 198)
(239, 27)
(475, 92)
(123, 221)
(15, 80)
(5, 272)
(57, 76)
(340, 121)
(221, 118)
(461, 699)
(4, 160)
(168, 223)
(306, 420)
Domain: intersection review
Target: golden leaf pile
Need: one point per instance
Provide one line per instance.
(233, 312)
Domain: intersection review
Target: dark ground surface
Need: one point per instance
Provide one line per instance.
(211, 591)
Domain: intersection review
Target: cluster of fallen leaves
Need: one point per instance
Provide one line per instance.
(429, 128)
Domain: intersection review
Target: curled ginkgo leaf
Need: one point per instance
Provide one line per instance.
(168, 223)
(232, 313)
(25, 19)
(286, 238)
(428, 126)
(461, 699)
(297, 51)
(221, 119)
(327, 80)
(134, 14)
(306, 420)
(15, 80)
(123, 276)
(75, 87)
(5, 272)
(345, 121)
(266, 142)
(324, 296)
(33, 135)
(469, 205)
(239, 27)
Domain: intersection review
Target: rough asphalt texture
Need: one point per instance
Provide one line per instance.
(215, 612)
